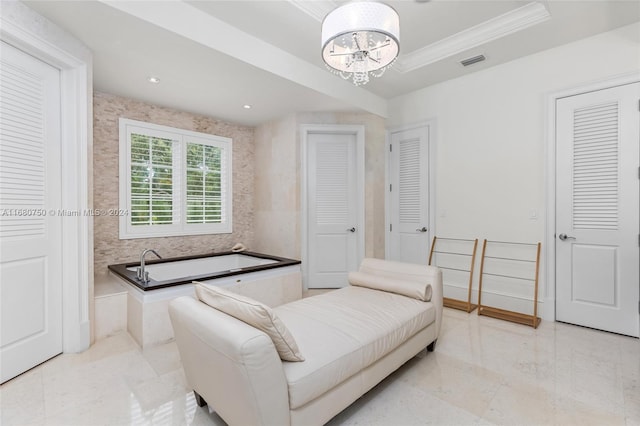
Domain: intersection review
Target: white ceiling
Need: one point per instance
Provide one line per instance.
(213, 57)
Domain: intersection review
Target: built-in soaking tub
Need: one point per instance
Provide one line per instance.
(269, 279)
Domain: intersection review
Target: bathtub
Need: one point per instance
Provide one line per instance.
(183, 270)
(269, 279)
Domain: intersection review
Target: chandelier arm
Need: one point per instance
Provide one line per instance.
(387, 43)
(340, 54)
(355, 39)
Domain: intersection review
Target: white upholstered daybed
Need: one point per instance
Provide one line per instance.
(350, 339)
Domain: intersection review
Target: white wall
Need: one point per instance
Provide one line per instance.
(491, 134)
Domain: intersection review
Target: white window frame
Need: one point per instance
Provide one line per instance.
(180, 138)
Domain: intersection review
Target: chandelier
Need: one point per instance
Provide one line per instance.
(360, 39)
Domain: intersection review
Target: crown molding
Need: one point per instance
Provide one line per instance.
(495, 28)
(316, 9)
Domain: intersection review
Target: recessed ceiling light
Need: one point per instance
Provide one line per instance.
(246, 106)
(153, 80)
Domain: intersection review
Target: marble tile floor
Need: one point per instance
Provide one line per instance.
(484, 371)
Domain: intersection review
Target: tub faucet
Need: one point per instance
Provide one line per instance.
(140, 272)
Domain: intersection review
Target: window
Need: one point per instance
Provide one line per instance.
(173, 182)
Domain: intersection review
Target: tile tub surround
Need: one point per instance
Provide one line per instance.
(148, 319)
(483, 372)
(108, 248)
(110, 297)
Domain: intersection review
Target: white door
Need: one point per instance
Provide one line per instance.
(409, 233)
(334, 209)
(30, 226)
(597, 217)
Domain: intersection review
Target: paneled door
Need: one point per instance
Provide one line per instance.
(597, 209)
(335, 211)
(30, 221)
(409, 233)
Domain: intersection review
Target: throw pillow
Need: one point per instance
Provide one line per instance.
(255, 314)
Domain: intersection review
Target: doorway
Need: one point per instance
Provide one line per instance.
(409, 194)
(333, 203)
(30, 225)
(22, 28)
(597, 213)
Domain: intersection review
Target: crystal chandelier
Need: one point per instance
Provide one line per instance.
(360, 39)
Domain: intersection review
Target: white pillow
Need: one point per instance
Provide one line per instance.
(416, 289)
(253, 313)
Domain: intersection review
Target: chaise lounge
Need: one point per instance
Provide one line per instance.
(315, 356)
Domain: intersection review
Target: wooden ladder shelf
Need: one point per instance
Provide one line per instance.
(458, 249)
(503, 314)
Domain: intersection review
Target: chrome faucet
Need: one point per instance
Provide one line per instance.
(140, 271)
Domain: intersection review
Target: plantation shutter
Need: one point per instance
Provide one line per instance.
(152, 179)
(173, 182)
(206, 186)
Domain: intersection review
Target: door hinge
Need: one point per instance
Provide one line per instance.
(390, 148)
(390, 187)
(390, 227)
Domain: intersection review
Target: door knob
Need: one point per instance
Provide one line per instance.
(351, 230)
(565, 237)
(423, 229)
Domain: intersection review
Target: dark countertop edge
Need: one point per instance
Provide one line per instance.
(120, 269)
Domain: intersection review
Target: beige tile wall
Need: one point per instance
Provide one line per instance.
(108, 248)
(277, 188)
(277, 181)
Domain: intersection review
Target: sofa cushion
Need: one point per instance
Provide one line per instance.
(420, 290)
(343, 331)
(253, 313)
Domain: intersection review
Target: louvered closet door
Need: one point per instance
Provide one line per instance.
(409, 233)
(332, 210)
(597, 216)
(30, 221)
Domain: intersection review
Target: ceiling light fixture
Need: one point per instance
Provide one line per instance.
(360, 39)
(153, 80)
(246, 106)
